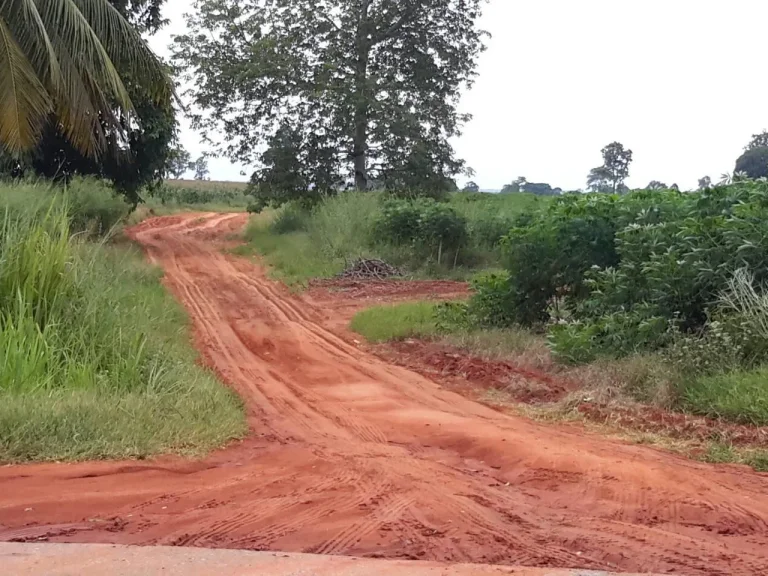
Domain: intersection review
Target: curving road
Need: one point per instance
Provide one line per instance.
(349, 455)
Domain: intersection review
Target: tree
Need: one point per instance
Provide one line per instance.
(515, 187)
(753, 163)
(540, 189)
(656, 185)
(614, 171)
(705, 183)
(599, 180)
(471, 186)
(178, 161)
(145, 15)
(758, 141)
(58, 68)
(200, 166)
(369, 89)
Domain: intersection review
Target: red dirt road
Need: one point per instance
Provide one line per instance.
(350, 455)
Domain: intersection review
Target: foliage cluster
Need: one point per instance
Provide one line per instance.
(197, 194)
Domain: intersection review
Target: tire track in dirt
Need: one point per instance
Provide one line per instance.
(350, 455)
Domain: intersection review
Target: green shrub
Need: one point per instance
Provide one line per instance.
(429, 227)
(624, 271)
(290, 218)
(94, 206)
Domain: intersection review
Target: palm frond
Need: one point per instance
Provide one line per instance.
(126, 47)
(24, 101)
(29, 30)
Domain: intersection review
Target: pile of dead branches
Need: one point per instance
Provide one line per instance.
(366, 269)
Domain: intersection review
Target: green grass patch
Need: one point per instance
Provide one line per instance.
(397, 322)
(740, 396)
(718, 453)
(95, 357)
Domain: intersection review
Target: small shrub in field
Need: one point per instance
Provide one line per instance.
(290, 218)
(426, 225)
(94, 206)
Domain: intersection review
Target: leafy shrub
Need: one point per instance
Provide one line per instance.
(290, 218)
(424, 224)
(624, 271)
(489, 232)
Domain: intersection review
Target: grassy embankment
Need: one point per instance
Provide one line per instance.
(95, 356)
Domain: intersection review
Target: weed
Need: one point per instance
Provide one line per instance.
(397, 322)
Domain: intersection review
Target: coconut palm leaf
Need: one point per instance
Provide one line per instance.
(24, 101)
(62, 57)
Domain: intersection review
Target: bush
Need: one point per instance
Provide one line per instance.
(290, 218)
(425, 225)
(624, 271)
(94, 206)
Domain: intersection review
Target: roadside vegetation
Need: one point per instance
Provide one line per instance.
(653, 297)
(448, 238)
(95, 359)
(201, 195)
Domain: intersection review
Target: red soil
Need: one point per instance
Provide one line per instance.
(351, 455)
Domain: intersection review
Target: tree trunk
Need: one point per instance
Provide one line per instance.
(360, 144)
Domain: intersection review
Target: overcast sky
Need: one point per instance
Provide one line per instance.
(680, 82)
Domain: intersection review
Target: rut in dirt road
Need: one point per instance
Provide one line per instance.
(350, 455)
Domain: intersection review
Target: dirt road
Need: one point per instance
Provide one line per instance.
(349, 455)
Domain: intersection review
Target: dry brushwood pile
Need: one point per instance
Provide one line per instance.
(364, 269)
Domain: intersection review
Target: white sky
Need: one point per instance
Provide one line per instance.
(680, 82)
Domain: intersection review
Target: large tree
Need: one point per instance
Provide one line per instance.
(367, 89)
(758, 141)
(753, 163)
(611, 175)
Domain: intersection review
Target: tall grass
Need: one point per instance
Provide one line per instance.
(94, 362)
(301, 244)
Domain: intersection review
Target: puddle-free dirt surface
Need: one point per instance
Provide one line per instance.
(350, 455)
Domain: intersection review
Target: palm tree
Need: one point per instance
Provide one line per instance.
(59, 63)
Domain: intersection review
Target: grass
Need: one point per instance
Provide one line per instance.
(301, 244)
(95, 361)
(397, 322)
(740, 396)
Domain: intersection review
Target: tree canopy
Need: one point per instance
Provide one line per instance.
(758, 141)
(753, 163)
(351, 91)
(109, 99)
(611, 175)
